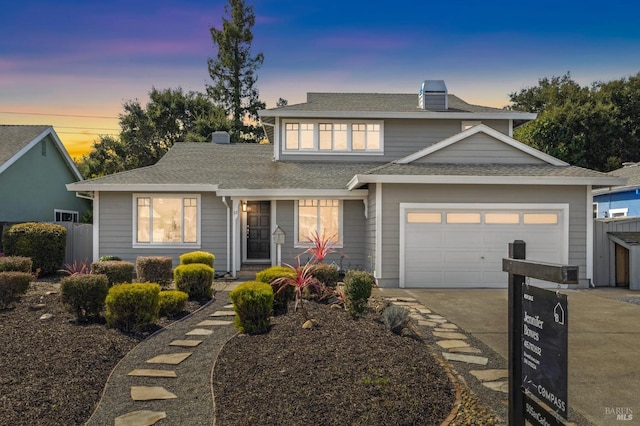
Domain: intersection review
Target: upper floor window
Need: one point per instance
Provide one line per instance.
(322, 136)
(166, 219)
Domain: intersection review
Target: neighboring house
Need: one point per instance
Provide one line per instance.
(620, 200)
(34, 169)
(422, 190)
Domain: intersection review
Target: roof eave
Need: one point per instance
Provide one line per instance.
(293, 194)
(138, 187)
(418, 114)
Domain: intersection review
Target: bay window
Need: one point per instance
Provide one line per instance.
(166, 219)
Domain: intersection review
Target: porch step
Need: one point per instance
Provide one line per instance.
(248, 270)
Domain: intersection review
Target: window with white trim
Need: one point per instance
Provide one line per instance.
(323, 217)
(620, 212)
(319, 136)
(66, 216)
(166, 219)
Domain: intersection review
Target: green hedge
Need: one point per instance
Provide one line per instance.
(252, 303)
(282, 294)
(357, 290)
(197, 257)
(154, 269)
(84, 294)
(172, 302)
(195, 279)
(13, 284)
(117, 271)
(15, 263)
(326, 274)
(44, 243)
(133, 307)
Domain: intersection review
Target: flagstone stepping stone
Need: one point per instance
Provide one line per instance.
(416, 316)
(229, 306)
(199, 332)
(186, 343)
(423, 310)
(469, 359)
(466, 349)
(427, 323)
(150, 393)
(451, 344)
(442, 330)
(173, 359)
(438, 320)
(140, 418)
(450, 335)
(214, 322)
(490, 375)
(433, 317)
(401, 299)
(501, 386)
(223, 314)
(448, 325)
(152, 373)
(409, 304)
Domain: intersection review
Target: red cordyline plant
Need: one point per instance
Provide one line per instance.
(322, 246)
(77, 268)
(303, 279)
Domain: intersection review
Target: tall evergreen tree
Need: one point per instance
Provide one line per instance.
(233, 71)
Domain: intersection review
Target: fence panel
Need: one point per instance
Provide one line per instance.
(79, 242)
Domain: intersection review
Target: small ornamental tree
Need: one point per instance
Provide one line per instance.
(302, 279)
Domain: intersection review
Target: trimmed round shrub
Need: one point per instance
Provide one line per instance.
(155, 269)
(197, 257)
(326, 274)
(172, 302)
(252, 302)
(117, 271)
(84, 294)
(44, 243)
(357, 290)
(13, 284)
(195, 279)
(107, 258)
(133, 307)
(15, 263)
(283, 294)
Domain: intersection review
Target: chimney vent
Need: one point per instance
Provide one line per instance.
(433, 96)
(220, 137)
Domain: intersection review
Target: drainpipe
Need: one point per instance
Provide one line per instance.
(224, 200)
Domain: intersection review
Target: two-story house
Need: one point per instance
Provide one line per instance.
(422, 190)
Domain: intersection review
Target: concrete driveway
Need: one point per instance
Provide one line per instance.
(604, 342)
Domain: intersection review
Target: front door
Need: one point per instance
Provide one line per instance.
(258, 230)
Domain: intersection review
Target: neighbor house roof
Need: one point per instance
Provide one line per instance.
(249, 170)
(16, 140)
(631, 172)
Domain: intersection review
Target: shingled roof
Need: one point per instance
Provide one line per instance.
(13, 138)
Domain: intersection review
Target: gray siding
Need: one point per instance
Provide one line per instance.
(480, 149)
(370, 227)
(402, 137)
(353, 235)
(116, 230)
(393, 195)
(604, 260)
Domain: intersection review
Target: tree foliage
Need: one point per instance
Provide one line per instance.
(233, 71)
(148, 132)
(595, 127)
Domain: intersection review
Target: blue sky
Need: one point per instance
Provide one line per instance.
(80, 58)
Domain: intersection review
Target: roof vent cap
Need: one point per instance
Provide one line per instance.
(433, 95)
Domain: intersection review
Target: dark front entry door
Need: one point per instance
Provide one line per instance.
(258, 229)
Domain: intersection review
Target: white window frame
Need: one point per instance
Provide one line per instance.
(134, 214)
(619, 212)
(304, 244)
(73, 213)
(316, 137)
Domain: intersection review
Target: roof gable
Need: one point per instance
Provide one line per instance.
(15, 141)
(471, 145)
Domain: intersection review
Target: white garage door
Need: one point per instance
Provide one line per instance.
(462, 245)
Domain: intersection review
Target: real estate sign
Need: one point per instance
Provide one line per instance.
(544, 346)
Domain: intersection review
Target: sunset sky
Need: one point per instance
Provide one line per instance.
(72, 63)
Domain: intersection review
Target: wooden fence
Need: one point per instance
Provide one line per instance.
(79, 242)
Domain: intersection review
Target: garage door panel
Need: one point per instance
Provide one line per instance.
(468, 237)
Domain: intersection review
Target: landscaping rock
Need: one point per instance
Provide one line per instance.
(46, 317)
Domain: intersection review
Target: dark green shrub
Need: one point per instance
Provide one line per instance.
(15, 263)
(283, 294)
(326, 274)
(155, 269)
(357, 290)
(13, 284)
(84, 294)
(197, 257)
(107, 258)
(395, 318)
(133, 307)
(195, 279)
(117, 271)
(252, 302)
(44, 243)
(172, 302)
